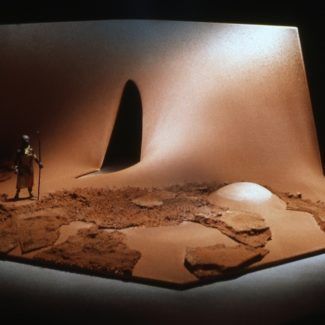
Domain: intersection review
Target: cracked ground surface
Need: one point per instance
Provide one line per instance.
(174, 235)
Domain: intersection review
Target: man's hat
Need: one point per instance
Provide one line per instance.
(25, 138)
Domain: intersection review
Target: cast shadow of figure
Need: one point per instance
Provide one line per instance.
(20, 199)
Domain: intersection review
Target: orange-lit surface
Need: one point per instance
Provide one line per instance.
(221, 102)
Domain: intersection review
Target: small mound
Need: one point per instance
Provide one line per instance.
(245, 192)
(246, 196)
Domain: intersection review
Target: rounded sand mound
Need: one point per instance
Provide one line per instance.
(245, 195)
(246, 192)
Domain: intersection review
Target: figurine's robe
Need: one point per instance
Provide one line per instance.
(24, 163)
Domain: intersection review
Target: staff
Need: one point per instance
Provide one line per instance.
(39, 169)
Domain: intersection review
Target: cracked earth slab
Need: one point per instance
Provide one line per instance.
(244, 227)
(40, 229)
(94, 250)
(211, 261)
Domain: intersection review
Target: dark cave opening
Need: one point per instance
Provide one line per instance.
(124, 148)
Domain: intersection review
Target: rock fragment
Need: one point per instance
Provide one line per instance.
(96, 250)
(148, 201)
(244, 222)
(211, 261)
(297, 195)
(154, 199)
(244, 227)
(40, 229)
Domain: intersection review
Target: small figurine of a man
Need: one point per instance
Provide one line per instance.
(24, 167)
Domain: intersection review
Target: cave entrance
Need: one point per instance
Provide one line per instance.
(124, 148)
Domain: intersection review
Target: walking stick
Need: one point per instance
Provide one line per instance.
(39, 168)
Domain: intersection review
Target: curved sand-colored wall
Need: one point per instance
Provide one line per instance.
(221, 102)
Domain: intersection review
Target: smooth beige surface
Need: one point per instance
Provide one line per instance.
(221, 102)
(163, 249)
(293, 234)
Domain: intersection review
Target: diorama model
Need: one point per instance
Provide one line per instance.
(175, 153)
(24, 167)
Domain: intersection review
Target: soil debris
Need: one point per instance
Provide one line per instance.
(40, 229)
(95, 250)
(123, 208)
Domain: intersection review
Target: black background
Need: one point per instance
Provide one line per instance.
(308, 18)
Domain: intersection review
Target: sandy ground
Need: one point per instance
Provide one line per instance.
(175, 236)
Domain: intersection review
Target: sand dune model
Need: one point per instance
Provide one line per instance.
(174, 152)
